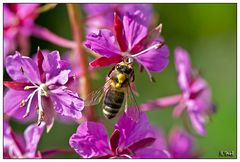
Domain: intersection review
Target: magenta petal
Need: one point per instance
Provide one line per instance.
(15, 85)
(134, 27)
(56, 69)
(11, 148)
(40, 61)
(9, 18)
(104, 61)
(114, 140)
(150, 153)
(197, 122)
(12, 101)
(103, 43)
(141, 144)
(90, 140)
(50, 62)
(183, 67)
(32, 136)
(67, 103)
(155, 60)
(132, 131)
(120, 35)
(180, 143)
(27, 10)
(21, 68)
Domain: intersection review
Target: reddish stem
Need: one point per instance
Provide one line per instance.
(85, 82)
(160, 103)
(47, 35)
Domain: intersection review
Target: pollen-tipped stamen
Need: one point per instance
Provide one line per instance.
(30, 87)
(40, 109)
(155, 46)
(29, 100)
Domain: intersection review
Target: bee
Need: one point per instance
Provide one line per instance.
(116, 92)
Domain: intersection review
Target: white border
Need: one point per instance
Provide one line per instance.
(111, 1)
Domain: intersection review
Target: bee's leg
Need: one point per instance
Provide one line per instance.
(133, 77)
(111, 71)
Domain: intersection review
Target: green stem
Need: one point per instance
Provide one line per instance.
(85, 82)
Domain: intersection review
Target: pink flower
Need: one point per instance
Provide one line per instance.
(130, 139)
(196, 94)
(181, 144)
(22, 146)
(101, 15)
(18, 22)
(130, 39)
(195, 97)
(41, 85)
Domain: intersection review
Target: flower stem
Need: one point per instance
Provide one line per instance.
(160, 103)
(85, 82)
(47, 35)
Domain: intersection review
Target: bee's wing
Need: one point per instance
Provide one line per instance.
(131, 106)
(96, 97)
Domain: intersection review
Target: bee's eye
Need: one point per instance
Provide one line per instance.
(119, 68)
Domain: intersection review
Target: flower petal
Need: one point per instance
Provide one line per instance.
(49, 113)
(103, 43)
(197, 122)
(150, 153)
(67, 103)
(56, 70)
(32, 136)
(132, 131)
(11, 148)
(12, 101)
(9, 18)
(27, 10)
(181, 143)
(120, 34)
(114, 139)
(155, 60)
(90, 140)
(15, 85)
(183, 67)
(21, 68)
(135, 28)
(104, 61)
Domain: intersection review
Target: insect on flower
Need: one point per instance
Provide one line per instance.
(130, 39)
(116, 89)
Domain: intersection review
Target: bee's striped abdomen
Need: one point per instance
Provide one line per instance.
(113, 102)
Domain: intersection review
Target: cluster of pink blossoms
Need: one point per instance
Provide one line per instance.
(43, 88)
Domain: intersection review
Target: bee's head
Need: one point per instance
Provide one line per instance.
(123, 67)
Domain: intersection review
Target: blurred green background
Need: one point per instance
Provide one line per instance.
(208, 33)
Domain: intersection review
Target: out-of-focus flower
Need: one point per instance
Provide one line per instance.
(101, 15)
(181, 144)
(40, 85)
(196, 94)
(18, 22)
(130, 39)
(130, 139)
(21, 146)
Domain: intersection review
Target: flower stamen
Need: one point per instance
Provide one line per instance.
(40, 109)
(155, 46)
(30, 97)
